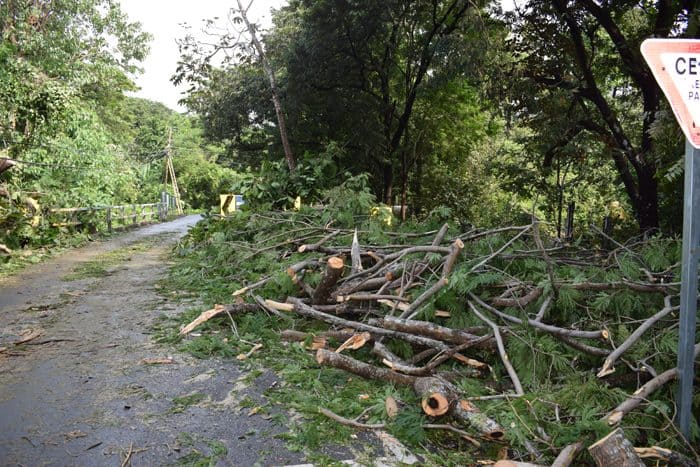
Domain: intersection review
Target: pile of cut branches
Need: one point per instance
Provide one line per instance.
(527, 327)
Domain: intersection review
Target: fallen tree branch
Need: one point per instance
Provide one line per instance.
(520, 302)
(351, 365)
(397, 364)
(380, 426)
(501, 350)
(641, 394)
(367, 297)
(298, 336)
(386, 260)
(539, 325)
(455, 249)
(432, 390)
(609, 363)
(432, 330)
(293, 269)
(318, 244)
(585, 348)
(305, 310)
(500, 250)
(349, 422)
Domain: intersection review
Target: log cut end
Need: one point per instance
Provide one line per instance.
(335, 262)
(322, 356)
(437, 395)
(435, 404)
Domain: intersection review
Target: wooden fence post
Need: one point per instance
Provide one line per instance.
(109, 219)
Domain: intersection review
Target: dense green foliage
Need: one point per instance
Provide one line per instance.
(457, 104)
(76, 138)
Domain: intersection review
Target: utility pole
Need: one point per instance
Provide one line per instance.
(170, 173)
(291, 162)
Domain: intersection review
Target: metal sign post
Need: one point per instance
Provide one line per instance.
(689, 286)
(675, 64)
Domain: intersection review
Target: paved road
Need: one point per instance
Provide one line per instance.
(82, 393)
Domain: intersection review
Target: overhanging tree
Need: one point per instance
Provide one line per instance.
(586, 55)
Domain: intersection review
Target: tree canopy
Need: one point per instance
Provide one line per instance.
(562, 81)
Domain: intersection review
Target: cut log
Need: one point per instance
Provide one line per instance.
(615, 449)
(305, 310)
(434, 331)
(429, 388)
(334, 269)
(343, 362)
(470, 414)
(437, 396)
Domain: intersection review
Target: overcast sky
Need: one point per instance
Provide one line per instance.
(163, 19)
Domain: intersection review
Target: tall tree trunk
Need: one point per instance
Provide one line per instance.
(281, 123)
(633, 165)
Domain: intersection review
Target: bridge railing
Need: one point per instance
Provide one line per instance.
(98, 218)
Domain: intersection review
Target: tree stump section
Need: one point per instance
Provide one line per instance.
(615, 449)
(334, 269)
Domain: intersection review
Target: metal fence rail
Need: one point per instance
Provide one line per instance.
(109, 216)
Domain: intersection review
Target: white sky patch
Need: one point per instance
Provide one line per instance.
(162, 18)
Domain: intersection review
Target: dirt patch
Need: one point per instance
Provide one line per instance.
(92, 388)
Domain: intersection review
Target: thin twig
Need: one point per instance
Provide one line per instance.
(501, 350)
(128, 455)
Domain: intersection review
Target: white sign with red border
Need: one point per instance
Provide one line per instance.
(676, 67)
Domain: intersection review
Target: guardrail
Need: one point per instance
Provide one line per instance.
(128, 214)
